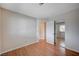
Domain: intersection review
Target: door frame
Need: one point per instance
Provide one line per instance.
(55, 30)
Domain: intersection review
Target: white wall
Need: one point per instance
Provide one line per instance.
(72, 29)
(50, 31)
(18, 30)
(0, 32)
(38, 22)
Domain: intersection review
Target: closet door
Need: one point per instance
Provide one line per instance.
(6, 35)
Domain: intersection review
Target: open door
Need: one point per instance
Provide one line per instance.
(59, 34)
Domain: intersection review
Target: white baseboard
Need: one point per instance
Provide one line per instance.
(50, 43)
(72, 49)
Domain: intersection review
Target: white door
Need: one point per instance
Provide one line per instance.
(50, 32)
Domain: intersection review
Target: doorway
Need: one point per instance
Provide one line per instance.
(42, 33)
(60, 34)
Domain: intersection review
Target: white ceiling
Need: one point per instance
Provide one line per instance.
(37, 11)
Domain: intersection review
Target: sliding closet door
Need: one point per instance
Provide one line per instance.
(18, 30)
(9, 36)
(5, 30)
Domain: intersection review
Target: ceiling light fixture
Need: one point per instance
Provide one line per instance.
(41, 4)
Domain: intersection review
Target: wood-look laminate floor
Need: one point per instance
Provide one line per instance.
(41, 48)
